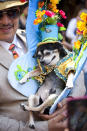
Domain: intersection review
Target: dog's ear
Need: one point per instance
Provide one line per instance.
(61, 50)
(63, 53)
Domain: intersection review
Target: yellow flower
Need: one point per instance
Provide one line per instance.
(85, 32)
(54, 6)
(83, 17)
(77, 44)
(40, 13)
(55, 10)
(55, 1)
(37, 21)
(81, 25)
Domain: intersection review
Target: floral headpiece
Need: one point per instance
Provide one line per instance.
(48, 14)
(81, 44)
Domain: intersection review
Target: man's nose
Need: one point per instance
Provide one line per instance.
(5, 19)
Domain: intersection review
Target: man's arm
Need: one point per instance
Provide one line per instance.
(8, 124)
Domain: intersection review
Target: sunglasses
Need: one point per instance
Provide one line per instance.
(11, 13)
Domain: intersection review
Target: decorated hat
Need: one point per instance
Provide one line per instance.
(4, 4)
(48, 17)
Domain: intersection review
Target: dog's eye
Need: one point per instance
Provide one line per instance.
(47, 53)
(39, 56)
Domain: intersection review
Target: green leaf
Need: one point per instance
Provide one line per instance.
(19, 67)
(62, 28)
(60, 36)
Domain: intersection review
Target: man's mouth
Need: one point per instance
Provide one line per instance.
(6, 29)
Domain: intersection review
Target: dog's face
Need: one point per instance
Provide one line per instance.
(48, 57)
(50, 54)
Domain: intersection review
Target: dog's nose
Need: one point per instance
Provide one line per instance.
(42, 62)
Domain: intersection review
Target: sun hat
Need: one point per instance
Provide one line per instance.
(4, 4)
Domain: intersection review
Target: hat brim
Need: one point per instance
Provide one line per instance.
(47, 42)
(9, 4)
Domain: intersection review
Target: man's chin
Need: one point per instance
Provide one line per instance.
(7, 38)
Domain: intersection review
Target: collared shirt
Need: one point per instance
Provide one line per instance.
(18, 46)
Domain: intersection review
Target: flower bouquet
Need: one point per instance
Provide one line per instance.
(48, 14)
(81, 44)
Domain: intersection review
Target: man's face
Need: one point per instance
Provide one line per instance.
(9, 20)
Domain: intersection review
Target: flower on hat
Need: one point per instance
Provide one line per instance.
(23, 0)
(48, 14)
(81, 44)
(62, 13)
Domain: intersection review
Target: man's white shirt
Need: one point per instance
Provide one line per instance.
(18, 46)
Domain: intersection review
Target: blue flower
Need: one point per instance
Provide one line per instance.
(29, 69)
(20, 75)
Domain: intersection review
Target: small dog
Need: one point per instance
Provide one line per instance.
(49, 55)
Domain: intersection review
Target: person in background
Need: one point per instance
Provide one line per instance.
(23, 17)
(71, 28)
(12, 46)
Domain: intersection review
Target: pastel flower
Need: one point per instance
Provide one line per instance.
(60, 25)
(49, 13)
(77, 44)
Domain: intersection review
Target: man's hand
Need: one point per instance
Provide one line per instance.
(61, 109)
(57, 123)
(58, 120)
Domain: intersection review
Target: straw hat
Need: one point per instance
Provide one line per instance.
(4, 4)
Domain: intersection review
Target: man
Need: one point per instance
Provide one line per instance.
(12, 45)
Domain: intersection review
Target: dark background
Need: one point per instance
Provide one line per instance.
(71, 8)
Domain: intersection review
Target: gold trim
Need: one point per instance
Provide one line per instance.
(53, 42)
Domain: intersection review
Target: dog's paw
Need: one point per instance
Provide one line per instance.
(23, 106)
(23, 80)
(32, 126)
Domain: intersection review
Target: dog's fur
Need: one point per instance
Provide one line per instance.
(48, 54)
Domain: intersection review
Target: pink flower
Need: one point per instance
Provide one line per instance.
(49, 13)
(60, 25)
(22, 0)
(62, 13)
